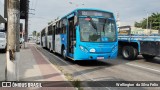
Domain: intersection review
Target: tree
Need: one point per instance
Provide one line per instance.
(136, 24)
(34, 33)
(38, 34)
(156, 21)
(153, 22)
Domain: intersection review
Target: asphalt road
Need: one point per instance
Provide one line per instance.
(109, 70)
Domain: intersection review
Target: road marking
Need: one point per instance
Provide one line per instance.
(151, 69)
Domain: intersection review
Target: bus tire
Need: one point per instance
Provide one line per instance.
(129, 52)
(148, 57)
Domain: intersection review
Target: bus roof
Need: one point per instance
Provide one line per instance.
(78, 9)
(85, 9)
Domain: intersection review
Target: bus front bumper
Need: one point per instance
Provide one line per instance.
(96, 56)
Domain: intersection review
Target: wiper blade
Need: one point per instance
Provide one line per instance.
(92, 23)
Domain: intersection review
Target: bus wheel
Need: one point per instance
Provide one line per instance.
(148, 57)
(129, 52)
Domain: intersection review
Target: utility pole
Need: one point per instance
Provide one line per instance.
(26, 29)
(26, 21)
(13, 40)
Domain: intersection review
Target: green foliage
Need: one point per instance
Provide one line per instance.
(153, 22)
(34, 33)
(38, 34)
(136, 24)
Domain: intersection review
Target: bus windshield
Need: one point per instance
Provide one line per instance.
(97, 29)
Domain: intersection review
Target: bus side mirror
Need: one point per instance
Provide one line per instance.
(74, 43)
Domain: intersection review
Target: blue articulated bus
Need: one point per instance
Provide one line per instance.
(86, 34)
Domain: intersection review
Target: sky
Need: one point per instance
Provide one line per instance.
(44, 11)
(1, 8)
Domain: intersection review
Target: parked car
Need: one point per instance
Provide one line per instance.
(3, 41)
(21, 40)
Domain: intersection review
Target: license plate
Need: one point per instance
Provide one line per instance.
(100, 58)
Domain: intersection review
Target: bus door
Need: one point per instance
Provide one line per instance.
(71, 36)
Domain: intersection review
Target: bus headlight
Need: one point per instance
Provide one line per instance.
(83, 49)
(92, 50)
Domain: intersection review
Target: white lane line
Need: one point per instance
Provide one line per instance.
(151, 69)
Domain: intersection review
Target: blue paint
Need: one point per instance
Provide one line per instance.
(90, 50)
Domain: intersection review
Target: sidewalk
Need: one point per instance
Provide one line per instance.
(34, 66)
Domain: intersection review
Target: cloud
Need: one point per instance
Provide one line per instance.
(47, 10)
(1, 9)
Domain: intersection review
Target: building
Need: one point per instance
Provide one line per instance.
(125, 30)
(135, 30)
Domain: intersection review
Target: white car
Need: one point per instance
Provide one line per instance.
(3, 42)
(21, 40)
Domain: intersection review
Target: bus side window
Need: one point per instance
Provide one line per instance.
(65, 25)
(57, 28)
(60, 27)
(64, 29)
